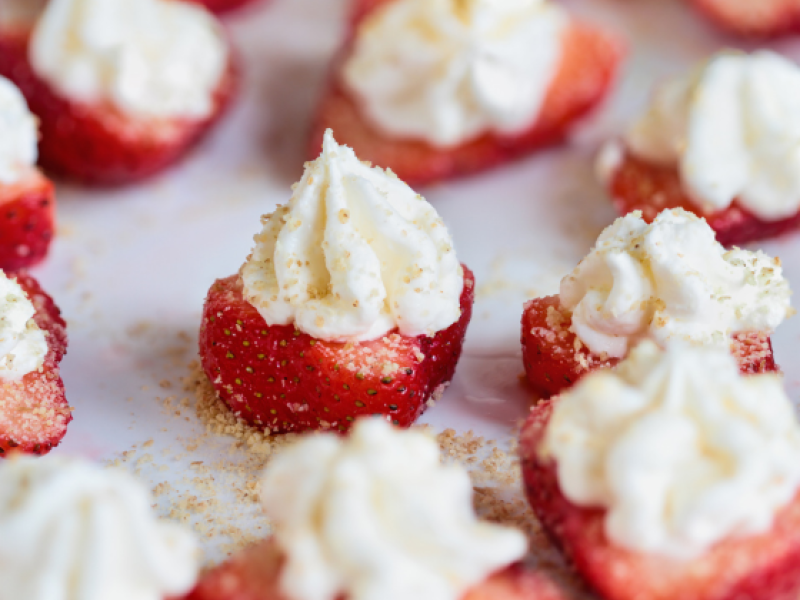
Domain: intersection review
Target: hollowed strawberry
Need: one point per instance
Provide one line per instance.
(280, 379)
(34, 412)
(220, 7)
(27, 221)
(555, 359)
(762, 567)
(638, 185)
(759, 18)
(588, 66)
(254, 575)
(97, 143)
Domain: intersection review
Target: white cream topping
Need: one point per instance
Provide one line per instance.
(74, 531)
(732, 128)
(150, 58)
(671, 280)
(19, 133)
(377, 516)
(447, 71)
(23, 346)
(355, 254)
(682, 450)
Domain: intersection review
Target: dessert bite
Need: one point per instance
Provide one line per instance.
(764, 18)
(352, 303)
(665, 281)
(434, 89)
(372, 516)
(34, 412)
(122, 88)
(27, 198)
(75, 531)
(722, 141)
(671, 476)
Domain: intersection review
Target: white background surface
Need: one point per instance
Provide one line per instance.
(143, 258)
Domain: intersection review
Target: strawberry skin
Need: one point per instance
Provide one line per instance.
(763, 567)
(588, 66)
(638, 185)
(219, 7)
(27, 221)
(34, 412)
(280, 379)
(555, 359)
(753, 18)
(96, 144)
(254, 574)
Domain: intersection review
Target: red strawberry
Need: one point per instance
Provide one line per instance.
(587, 70)
(27, 221)
(219, 7)
(555, 359)
(763, 567)
(283, 380)
(753, 18)
(96, 143)
(34, 412)
(638, 185)
(254, 575)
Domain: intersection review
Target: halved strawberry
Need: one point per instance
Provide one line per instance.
(753, 18)
(280, 379)
(97, 143)
(762, 567)
(639, 185)
(555, 359)
(588, 65)
(219, 7)
(27, 221)
(254, 575)
(34, 412)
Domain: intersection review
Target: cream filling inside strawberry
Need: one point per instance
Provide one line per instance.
(18, 135)
(681, 450)
(149, 58)
(447, 71)
(23, 346)
(671, 280)
(355, 254)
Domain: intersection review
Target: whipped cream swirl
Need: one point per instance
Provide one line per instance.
(149, 58)
(671, 280)
(74, 531)
(732, 128)
(18, 134)
(23, 346)
(355, 254)
(448, 71)
(681, 450)
(377, 516)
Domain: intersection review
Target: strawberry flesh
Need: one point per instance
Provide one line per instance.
(27, 221)
(34, 412)
(96, 143)
(588, 66)
(254, 574)
(638, 185)
(762, 567)
(555, 359)
(753, 18)
(219, 7)
(280, 379)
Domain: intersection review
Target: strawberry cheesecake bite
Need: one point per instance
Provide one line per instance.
(75, 531)
(27, 198)
(122, 88)
(722, 141)
(34, 412)
(434, 89)
(671, 476)
(374, 516)
(352, 303)
(668, 280)
(762, 18)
